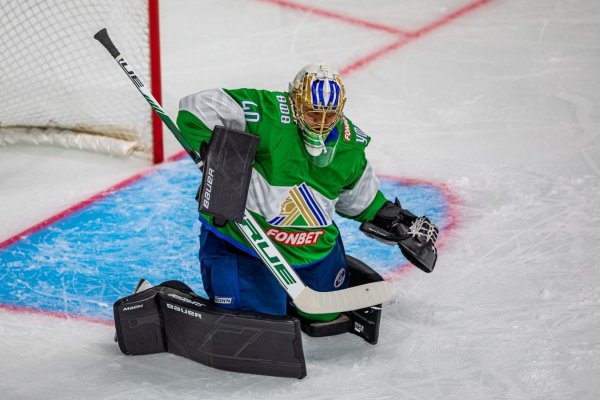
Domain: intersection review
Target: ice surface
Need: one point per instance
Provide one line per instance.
(500, 104)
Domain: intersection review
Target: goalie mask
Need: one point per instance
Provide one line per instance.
(318, 98)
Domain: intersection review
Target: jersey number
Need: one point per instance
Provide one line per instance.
(251, 116)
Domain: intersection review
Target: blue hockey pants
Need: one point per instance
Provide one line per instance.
(236, 280)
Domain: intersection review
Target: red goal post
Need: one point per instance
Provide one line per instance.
(58, 88)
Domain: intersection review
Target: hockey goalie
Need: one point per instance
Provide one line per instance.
(300, 160)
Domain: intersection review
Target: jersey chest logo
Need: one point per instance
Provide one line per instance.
(300, 210)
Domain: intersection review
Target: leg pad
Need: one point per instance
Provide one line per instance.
(169, 318)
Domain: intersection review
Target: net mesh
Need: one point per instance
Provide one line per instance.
(55, 79)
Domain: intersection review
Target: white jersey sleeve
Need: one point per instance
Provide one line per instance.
(356, 200)
(214, 107)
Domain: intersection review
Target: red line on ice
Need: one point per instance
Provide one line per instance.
(90, 200)
(55, 314)
(411, 36)
(71, 210)
(406, 36)
(334, 15)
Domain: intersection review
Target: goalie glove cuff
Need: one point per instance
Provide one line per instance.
(395, 220)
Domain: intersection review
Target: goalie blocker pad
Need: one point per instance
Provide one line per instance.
(226, 174)
(171, 318)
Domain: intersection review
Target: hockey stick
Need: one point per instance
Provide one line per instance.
(305, 298)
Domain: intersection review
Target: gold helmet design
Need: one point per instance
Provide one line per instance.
(318, 97)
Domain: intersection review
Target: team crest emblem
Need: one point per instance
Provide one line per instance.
(300, 210)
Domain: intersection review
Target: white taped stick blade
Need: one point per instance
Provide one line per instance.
(350, 299)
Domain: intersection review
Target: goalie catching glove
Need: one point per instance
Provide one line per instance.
(416, 236)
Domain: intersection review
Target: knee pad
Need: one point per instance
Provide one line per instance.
(363, 323)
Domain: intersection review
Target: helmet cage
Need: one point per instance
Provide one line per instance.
(318, 99)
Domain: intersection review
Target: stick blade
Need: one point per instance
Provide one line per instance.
(350, 299)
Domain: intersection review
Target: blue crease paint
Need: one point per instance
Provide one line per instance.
(83, 263)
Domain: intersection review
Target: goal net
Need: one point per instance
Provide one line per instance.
(57, 85)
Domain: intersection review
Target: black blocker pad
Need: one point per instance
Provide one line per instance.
(227, 172)
(171, 318)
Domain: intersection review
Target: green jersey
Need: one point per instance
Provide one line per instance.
(292, 199)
